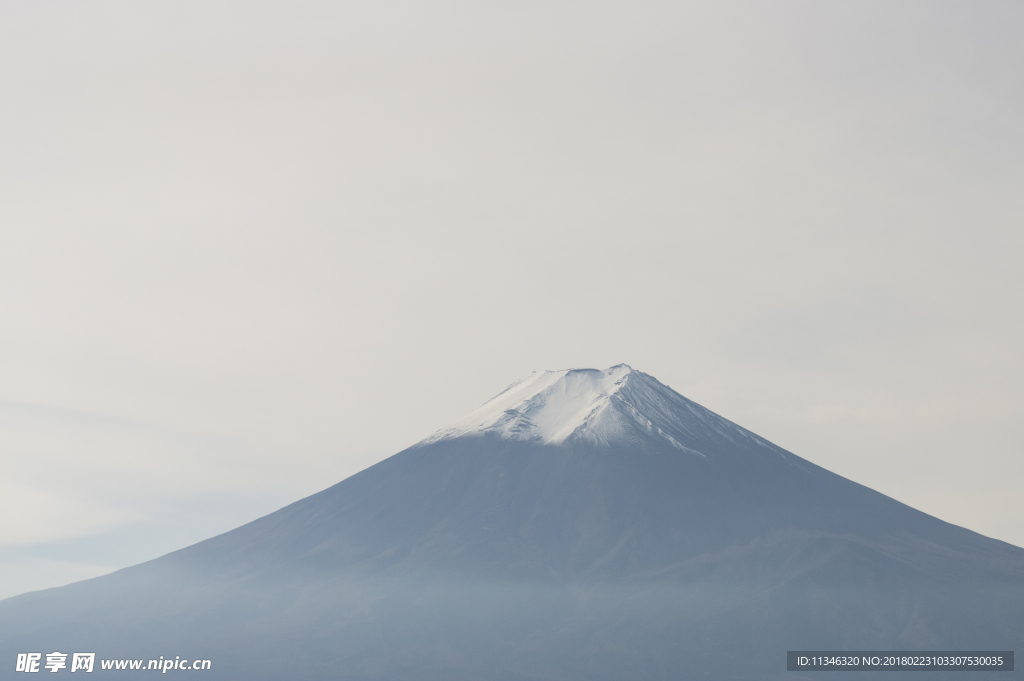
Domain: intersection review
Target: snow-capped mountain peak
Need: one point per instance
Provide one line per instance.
(618, 405)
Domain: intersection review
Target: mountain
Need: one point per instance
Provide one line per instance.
(582, 524)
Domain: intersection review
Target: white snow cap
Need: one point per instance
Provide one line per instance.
(613, 406)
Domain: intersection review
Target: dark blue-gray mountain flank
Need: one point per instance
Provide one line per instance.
(585, 525)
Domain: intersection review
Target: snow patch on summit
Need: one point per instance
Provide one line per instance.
(618, 405)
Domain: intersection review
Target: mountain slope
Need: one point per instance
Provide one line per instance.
(582, 524)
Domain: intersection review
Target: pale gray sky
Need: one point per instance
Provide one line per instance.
(249, 248)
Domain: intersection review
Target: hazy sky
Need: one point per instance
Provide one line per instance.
(249, 248)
